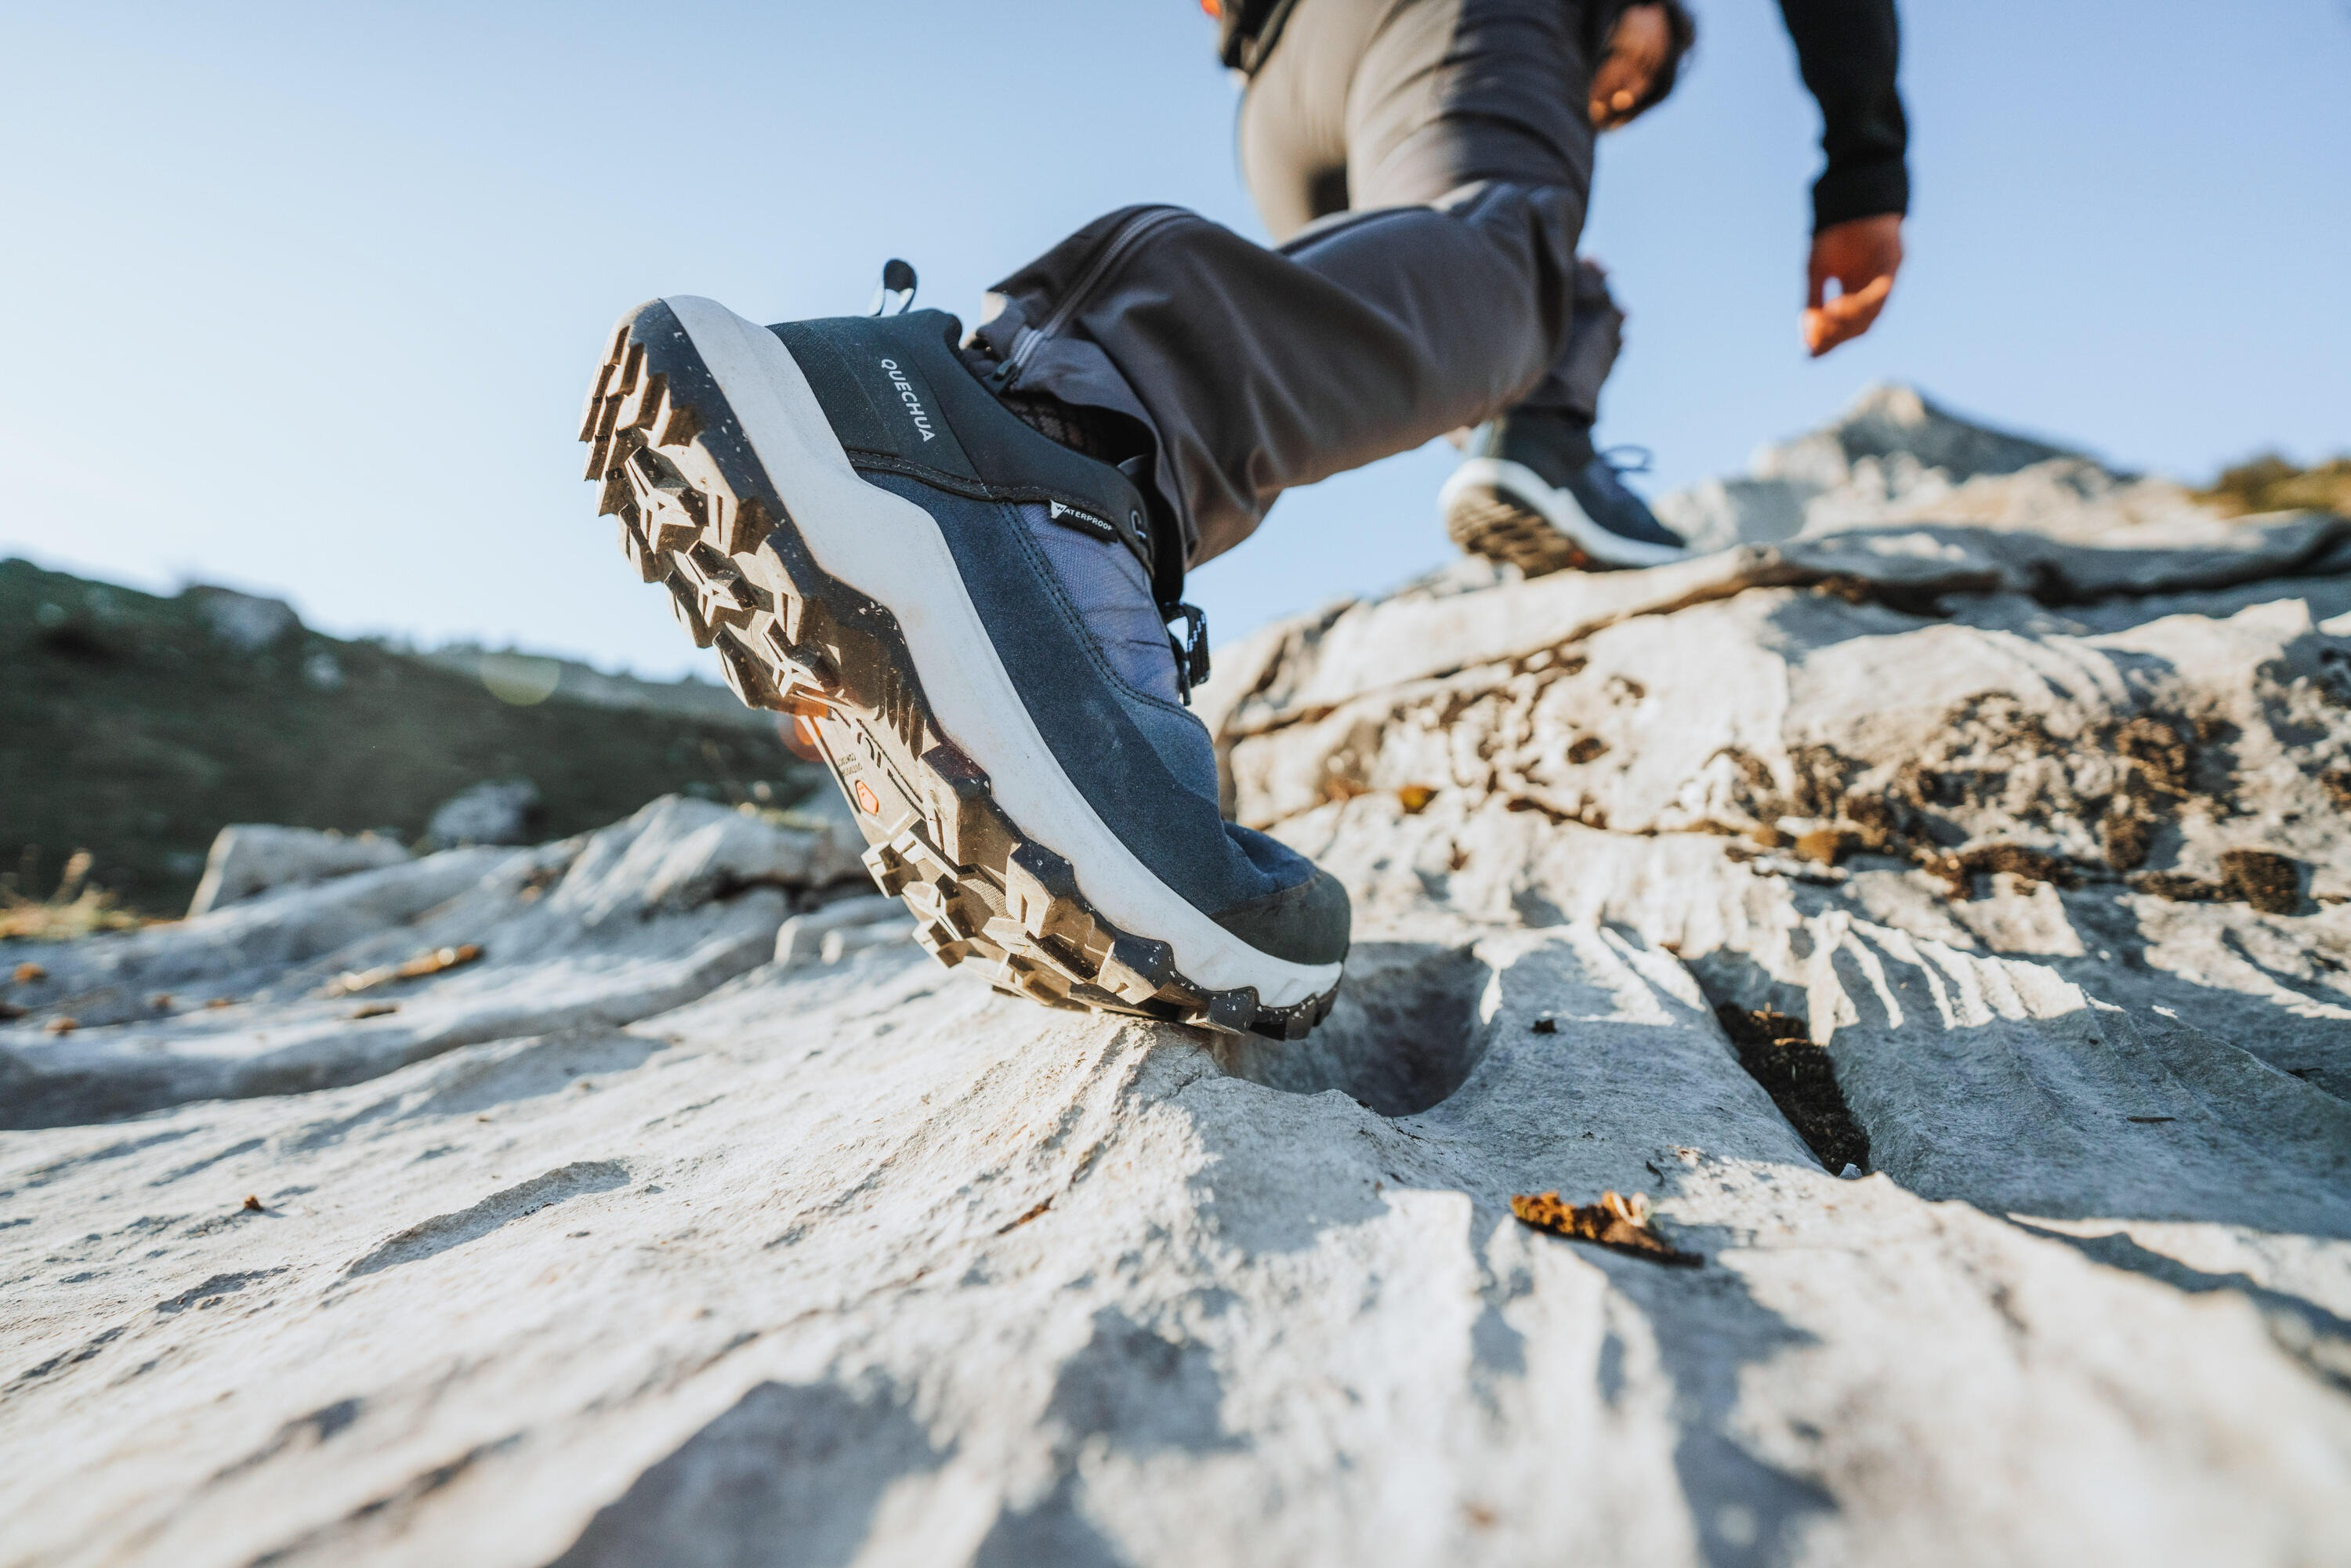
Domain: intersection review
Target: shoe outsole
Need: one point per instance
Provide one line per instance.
(699, 517)
(1496, 507)
(1486, 522)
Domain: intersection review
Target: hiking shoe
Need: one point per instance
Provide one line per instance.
(958, 613)
(1535, 494)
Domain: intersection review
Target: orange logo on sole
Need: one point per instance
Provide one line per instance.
(865, 801)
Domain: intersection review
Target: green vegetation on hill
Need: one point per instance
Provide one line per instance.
(2271, 484)
(134, 727)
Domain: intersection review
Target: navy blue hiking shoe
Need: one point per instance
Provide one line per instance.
(1534, 494)
(960, 614)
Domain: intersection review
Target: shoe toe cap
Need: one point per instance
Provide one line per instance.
(1308, 922)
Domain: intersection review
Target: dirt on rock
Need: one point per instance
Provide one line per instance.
(2270, 882)
(1778, 1052)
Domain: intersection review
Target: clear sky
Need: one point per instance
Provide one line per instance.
(305, 295)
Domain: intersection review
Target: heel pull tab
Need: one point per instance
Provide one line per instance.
(1191, 649)
(897, 285)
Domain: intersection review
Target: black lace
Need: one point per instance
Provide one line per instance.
(1191, 649)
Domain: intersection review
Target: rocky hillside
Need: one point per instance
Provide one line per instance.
(135, 727)
(1928, 915)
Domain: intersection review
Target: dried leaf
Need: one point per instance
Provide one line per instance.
(441, 958)
(416, 968)
(1415, 799)
(1615, 1221)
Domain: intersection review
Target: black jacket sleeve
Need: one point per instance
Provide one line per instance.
(1847, 50)
(1246, 30)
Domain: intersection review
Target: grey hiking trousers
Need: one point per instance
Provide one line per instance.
(1427, 164)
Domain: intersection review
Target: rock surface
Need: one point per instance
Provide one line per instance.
(133, 726)
(495, 811)
(699, 1220)
(251, 858)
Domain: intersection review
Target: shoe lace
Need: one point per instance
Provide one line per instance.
(1640, 461)
(1191, 649)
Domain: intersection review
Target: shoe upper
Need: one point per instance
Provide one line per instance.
(901, 400)
(1056, 551)
(1559, 451)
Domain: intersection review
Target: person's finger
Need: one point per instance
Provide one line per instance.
(1828, 329)
(1858, 309)
(1847, 317)
(1833, 326)
(1819, 266)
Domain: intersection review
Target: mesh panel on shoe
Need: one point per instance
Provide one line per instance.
(1106, 583)
(1095, 432)
(1102, 433)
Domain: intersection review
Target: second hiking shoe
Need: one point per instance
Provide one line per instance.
(1534, 494)
(957, 612)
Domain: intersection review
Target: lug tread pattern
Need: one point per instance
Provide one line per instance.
(697, 516)
(1485, 522)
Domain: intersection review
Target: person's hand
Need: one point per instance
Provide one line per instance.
(1629, 62)
(1863, 254)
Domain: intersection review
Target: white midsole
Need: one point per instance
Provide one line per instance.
(891, 550)
(1557, 506)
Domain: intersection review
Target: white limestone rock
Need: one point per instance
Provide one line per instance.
(596, 931)
(880, 1267)
(495, 811)
(828, 934)
(700, 1219)
(250, 857)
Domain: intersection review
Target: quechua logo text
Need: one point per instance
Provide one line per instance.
(912, 399)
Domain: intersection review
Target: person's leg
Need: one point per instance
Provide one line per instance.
(1295, 136)
(1593, 341)
(1329, 91)
(1446, 302)
(1292, 137)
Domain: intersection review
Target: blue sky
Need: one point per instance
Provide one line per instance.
(305, 295)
